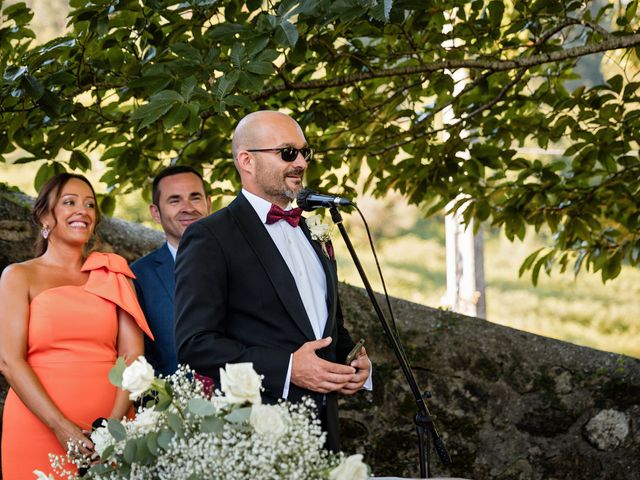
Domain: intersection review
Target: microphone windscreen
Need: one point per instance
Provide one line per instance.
(301, 199)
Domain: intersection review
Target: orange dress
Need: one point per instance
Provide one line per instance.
(71, 348)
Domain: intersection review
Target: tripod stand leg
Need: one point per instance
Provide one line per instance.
(424, 446)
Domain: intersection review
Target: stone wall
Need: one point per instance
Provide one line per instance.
(508, 404)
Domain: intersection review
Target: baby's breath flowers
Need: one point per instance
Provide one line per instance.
(185, 433)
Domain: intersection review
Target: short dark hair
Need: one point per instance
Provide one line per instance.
(47, 198)
(168, 172)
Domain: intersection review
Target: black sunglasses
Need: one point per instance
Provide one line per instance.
(288, 154)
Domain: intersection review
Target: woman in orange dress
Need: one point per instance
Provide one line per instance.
(64, 320)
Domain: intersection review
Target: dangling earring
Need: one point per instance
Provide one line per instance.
(45, 231)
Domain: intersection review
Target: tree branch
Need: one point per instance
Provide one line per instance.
(612, 43)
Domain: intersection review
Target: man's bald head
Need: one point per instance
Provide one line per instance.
(257, 146)
(254, 130)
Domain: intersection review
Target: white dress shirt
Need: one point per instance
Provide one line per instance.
(173, 251)
(305, 267)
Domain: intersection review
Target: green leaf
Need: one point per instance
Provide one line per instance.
(45, 172)
(287, 34)
(107, 204)
(266, 22)
(18, 12)
(186, 52)
(615, 83)
(167, 96)
(632, 8)
(212, 425)
(578, 263)
(239, 415)
(79, 160)
(130, 449)
(186, 89)
(150, 112)
(250, 81)
(151, 83)
(115, 374)
(175, 422)
(238, 100)
(483, 210)
(256, 45)
(611, 268)
(496, 11)
(176, 115)
(201, 407)
(32, 86)
(526, 265)
(193, 122)
(116, 429)
(114, 152)
(260, 68)
(164, 439)
(237, 55)
(11, 74)
(381, 10)
(106, 453)
(535, 273)
(142, 452)
(226, 83)
(152, 443)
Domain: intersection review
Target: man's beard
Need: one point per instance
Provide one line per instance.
(282, 191)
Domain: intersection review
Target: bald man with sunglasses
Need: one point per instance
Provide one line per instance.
(252, 286)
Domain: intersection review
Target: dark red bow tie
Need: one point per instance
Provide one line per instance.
(292, 217)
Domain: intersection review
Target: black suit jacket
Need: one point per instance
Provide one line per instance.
(236, 301)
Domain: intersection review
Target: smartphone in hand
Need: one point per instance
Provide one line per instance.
(354, 352)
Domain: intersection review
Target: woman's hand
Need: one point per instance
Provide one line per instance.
(71, 437)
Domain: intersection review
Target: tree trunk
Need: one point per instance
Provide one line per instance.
(508, 404)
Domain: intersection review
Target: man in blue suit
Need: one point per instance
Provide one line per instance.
(179, 199)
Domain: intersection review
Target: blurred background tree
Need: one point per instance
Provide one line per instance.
(538, 145)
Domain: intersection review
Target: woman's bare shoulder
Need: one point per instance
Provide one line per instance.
(17, 273)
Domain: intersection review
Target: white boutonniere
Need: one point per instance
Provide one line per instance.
(320, 232)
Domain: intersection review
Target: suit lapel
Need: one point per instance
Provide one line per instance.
(331, 276)
(274, 265)
(165, 269)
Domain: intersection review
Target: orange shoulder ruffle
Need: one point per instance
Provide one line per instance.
(109, 278)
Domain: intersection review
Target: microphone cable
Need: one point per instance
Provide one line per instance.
(384, 286)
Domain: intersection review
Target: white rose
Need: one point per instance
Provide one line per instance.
(313, 220)
(269, 419)
(137, 377)
(41, 476)
(319, 231)
(351, 468)
(240, 383)
(145, 421)
(101, 438)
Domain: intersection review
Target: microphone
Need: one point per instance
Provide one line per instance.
(309, 200)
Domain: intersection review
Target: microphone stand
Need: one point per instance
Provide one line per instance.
(424, 421)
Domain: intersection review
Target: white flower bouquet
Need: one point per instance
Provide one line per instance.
(185, 433)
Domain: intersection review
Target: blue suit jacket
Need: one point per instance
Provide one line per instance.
(155, 286)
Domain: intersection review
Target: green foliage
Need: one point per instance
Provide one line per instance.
(578, 310)
(149, 83)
